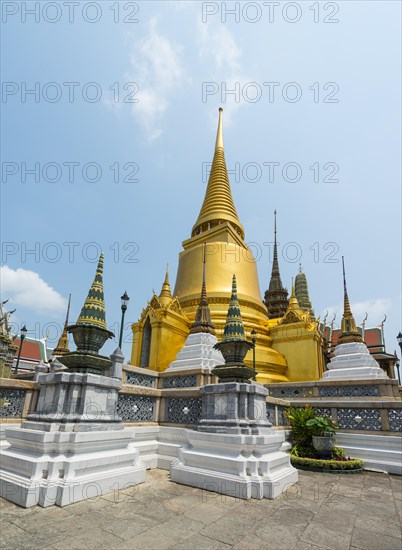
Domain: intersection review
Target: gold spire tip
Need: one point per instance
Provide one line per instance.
(344, 275)
(219, 135)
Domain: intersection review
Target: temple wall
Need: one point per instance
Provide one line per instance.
(302, 347)
(174, 398)
(161, 405)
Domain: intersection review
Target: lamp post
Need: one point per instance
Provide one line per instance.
(397, 371)
(399, 338)
(23, 334)
(124, 302)
(254, 340)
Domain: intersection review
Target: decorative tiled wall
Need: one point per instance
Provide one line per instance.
(291, 392)
(183, 410)
(136, 408)
(348, 391)
(395, 420)
(359, 419)
(11, 402)
(180, 382)
(141, 379)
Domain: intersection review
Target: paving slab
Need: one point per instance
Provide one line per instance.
(371, 540)
(323, 512)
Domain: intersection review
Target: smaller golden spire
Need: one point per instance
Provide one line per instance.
(294, 313)
(347, 312)
(202, 322)
(293, 301)
(165, 296)
(349, 331)
(62, 345)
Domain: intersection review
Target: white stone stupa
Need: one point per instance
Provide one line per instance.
(352, 359)
(198, 351)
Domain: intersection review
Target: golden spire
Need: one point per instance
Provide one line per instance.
(62, 344)
(294, 313)
(203, 321)
(347, 312)
(218, 205)
(349, 332)
(293, 301)
(166, 296)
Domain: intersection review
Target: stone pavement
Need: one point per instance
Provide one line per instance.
(335, 512)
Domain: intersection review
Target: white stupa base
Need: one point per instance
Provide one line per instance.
(59, 468)
(198, 352)
(241, 466)
(353, 361)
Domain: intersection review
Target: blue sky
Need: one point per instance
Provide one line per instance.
(165, 139)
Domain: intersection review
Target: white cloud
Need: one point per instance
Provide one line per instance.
(217, 45)
(157, 69)
(375, 309)
(26, 288)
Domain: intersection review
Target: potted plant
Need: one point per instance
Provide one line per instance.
(323, 433)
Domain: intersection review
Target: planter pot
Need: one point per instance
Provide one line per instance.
(324, 445)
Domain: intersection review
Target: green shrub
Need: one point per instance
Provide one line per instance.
(338, 453)
(320, 426)
(317, 464)
(298, 419)
(299, 450)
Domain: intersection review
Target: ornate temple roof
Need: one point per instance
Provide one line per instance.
(276, 297)
(234, 329)
(93, 311)
(218, 205)
(301, 290)
(32, 350)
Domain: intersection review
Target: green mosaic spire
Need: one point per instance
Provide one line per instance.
(302, 293)
(93, 311)
(234, 329)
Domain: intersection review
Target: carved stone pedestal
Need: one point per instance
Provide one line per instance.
(235, 451)
(74, 445)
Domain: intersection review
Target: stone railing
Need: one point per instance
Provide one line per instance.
(330, 389)
(173, 399)
(145, 398)
(17, 398)
(362, 406)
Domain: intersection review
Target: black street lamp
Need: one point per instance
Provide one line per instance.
(23, 334)
(254, 340)
(397, 371)
(399, 338)
(124, 302)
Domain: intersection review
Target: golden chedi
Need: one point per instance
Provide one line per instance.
(161, 332)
